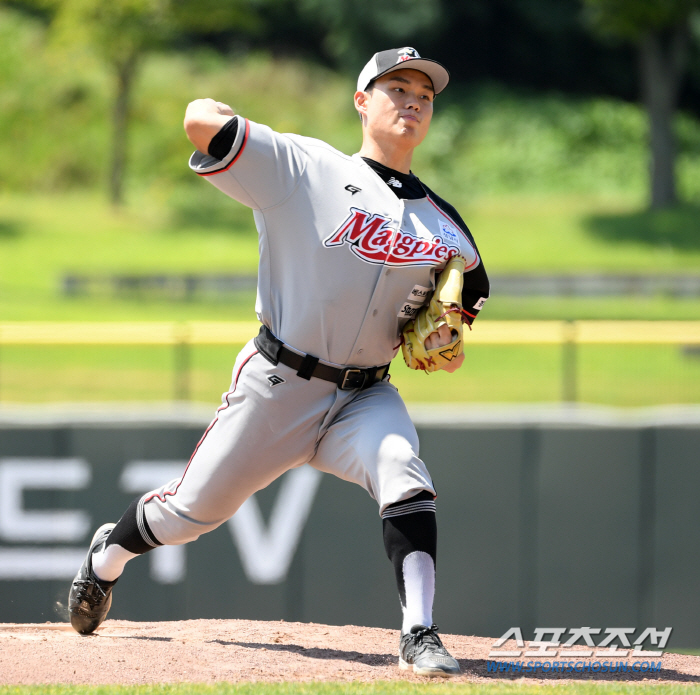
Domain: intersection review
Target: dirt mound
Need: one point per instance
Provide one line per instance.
(243, 650)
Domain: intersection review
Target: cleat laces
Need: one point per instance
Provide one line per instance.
(84, 593)
(427, 637)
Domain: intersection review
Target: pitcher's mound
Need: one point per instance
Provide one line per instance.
(244, 650)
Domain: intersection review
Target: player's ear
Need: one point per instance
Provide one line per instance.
(361, 103)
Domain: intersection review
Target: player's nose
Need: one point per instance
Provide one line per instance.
(413, 102)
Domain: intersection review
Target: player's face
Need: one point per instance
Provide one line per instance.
(400, 106)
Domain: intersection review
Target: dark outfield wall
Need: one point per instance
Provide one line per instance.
(561, 525)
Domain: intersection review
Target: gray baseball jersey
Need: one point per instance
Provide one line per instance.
(344, 263)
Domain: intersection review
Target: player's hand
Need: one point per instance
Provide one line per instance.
(204, 118)
(440, 337)
(224, 109)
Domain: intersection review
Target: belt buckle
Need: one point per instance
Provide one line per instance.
(353, 379)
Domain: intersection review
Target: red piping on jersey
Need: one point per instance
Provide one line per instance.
(442, 212)
(233, 161)
(223, 406)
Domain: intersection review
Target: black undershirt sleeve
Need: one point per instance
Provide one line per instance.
(476, 282)
(476, 287)
(222, 142)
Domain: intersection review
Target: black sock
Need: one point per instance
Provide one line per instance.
(132, 531)
(409, 526)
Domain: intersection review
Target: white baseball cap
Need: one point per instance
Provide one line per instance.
(398, 59)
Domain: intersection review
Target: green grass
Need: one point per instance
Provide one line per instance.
(608, 375)
(558, 234)
(592, 308)
(78, 233)
(379, 688)
(44, 237)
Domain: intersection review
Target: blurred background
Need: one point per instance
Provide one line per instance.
(569, 140)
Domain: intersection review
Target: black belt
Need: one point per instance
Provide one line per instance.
(347, 378)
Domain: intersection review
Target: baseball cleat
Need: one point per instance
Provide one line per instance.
(90, 598)
(421, 651)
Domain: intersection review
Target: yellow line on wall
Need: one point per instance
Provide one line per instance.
(237, 332)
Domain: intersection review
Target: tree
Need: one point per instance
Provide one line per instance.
(122, 32)
(661, 31)
(353, 30)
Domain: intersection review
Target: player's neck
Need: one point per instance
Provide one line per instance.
(398, 158)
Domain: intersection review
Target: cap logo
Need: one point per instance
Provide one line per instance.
(407, 53)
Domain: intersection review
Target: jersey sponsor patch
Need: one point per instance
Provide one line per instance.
(480, 303)
(419, 294)
(371, 238)
(352, 189)
(408, 310)
(449, 233)
(416, 299)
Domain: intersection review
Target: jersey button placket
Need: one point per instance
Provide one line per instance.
(385, 272)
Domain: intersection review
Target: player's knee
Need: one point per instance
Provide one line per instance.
(397, 451)
(171, 527)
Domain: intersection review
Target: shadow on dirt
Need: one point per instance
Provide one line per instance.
(317, 652)
(143, 637)
(677, 228)
(471, 667)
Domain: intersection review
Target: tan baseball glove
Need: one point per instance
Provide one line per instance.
(445, 308)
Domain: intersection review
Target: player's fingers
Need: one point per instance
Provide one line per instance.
(224, 109)
(442, 336)
(431, 342)
(445, 335)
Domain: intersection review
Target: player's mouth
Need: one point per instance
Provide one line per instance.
(410, 117)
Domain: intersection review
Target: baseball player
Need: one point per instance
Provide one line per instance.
(355, 252)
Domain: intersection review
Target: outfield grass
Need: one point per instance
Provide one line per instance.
(563, 234)
(378, 688)
(45, 237)
(616, 375)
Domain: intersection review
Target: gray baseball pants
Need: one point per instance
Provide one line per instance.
(265, 427)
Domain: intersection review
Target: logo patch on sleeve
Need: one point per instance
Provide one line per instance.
(449, 233)
(480, 303)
